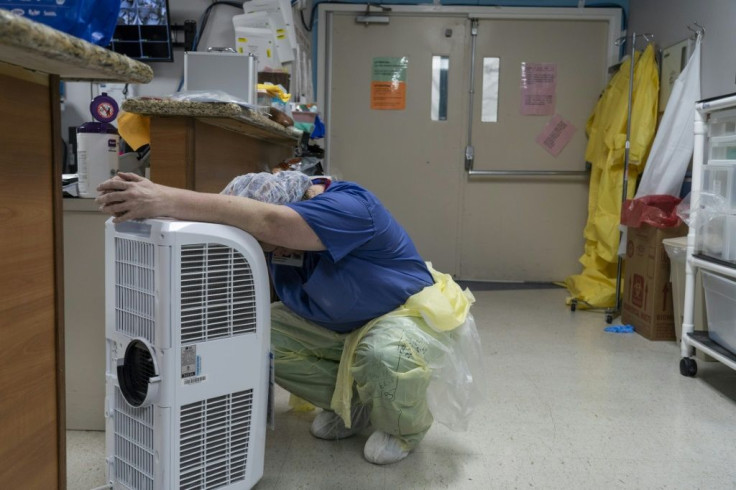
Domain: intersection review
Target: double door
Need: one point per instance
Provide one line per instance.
(458, 153)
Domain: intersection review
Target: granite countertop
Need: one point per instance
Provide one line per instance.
(227, 115)
(41, 48)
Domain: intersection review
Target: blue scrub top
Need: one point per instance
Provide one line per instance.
(370, 265)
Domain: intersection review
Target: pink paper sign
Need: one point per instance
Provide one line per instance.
(556, 135)
(538, 86)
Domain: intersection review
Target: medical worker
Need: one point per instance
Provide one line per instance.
(342, 267)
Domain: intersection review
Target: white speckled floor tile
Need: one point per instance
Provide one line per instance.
(85, 458)
(567, 406)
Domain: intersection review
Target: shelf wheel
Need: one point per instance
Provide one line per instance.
(688, 367)
(573, 305)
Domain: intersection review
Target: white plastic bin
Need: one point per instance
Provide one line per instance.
(722, 123)
(720, 301)
(720, 180)
(722, 150)
(676, 249)
(716, 235)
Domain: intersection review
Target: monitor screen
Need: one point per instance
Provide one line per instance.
(143, 31)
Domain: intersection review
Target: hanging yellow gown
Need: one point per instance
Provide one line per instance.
(606, 130)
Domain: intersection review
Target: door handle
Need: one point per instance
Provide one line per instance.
(526, 173)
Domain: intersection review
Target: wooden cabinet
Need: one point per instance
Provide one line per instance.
(31, 303)
(33, 59)
(202, 146)
(192, 153)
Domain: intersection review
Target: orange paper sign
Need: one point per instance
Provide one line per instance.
(388, 95)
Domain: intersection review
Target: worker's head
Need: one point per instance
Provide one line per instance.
(280, 188)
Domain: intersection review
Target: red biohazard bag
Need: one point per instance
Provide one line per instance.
(659, 211)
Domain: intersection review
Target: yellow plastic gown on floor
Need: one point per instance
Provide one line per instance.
(606, 129)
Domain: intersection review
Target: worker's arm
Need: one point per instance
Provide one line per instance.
(130, 196)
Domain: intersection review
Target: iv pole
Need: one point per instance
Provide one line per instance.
(611, 312)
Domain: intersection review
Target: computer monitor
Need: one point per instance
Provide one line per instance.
(143, 31)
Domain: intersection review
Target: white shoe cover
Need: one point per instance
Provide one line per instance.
(382, 448)
(329, 425)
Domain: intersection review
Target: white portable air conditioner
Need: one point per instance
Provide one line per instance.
(188, 339)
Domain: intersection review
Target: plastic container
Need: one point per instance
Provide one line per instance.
(97, 156)
(263, 99)
(720, 180)
(676, 249)
(716, 235)
(720, 301)
(722, 123)
(722, 149)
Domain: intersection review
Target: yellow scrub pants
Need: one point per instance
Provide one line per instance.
(390, 368)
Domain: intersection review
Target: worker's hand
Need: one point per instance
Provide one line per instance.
(129, 196)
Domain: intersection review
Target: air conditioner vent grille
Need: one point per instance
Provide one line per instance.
(217, 293)
(135, 288)
(133, 444)
(214, 441)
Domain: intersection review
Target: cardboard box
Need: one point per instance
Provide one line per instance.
(647, 298)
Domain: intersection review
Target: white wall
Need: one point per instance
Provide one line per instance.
(667, 20)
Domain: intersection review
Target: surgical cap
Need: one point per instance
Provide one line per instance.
(280, 188)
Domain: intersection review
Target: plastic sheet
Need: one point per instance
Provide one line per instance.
(209, 96)
(683, 210)
(714, 203)
(452, 395)
(449, 359)
(406, 373)
(448, 329)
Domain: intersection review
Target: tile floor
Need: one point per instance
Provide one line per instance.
(568, 406)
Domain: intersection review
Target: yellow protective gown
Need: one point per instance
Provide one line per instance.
(606, 129)
(444, 306)
(411, 366)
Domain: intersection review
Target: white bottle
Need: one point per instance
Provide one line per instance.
(97, 156)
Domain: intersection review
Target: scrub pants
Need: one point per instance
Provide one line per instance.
(391, 368)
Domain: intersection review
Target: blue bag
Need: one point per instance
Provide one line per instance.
(91, 20)
(319, 129)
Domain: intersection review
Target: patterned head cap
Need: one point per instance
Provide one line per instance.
(280, 188)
